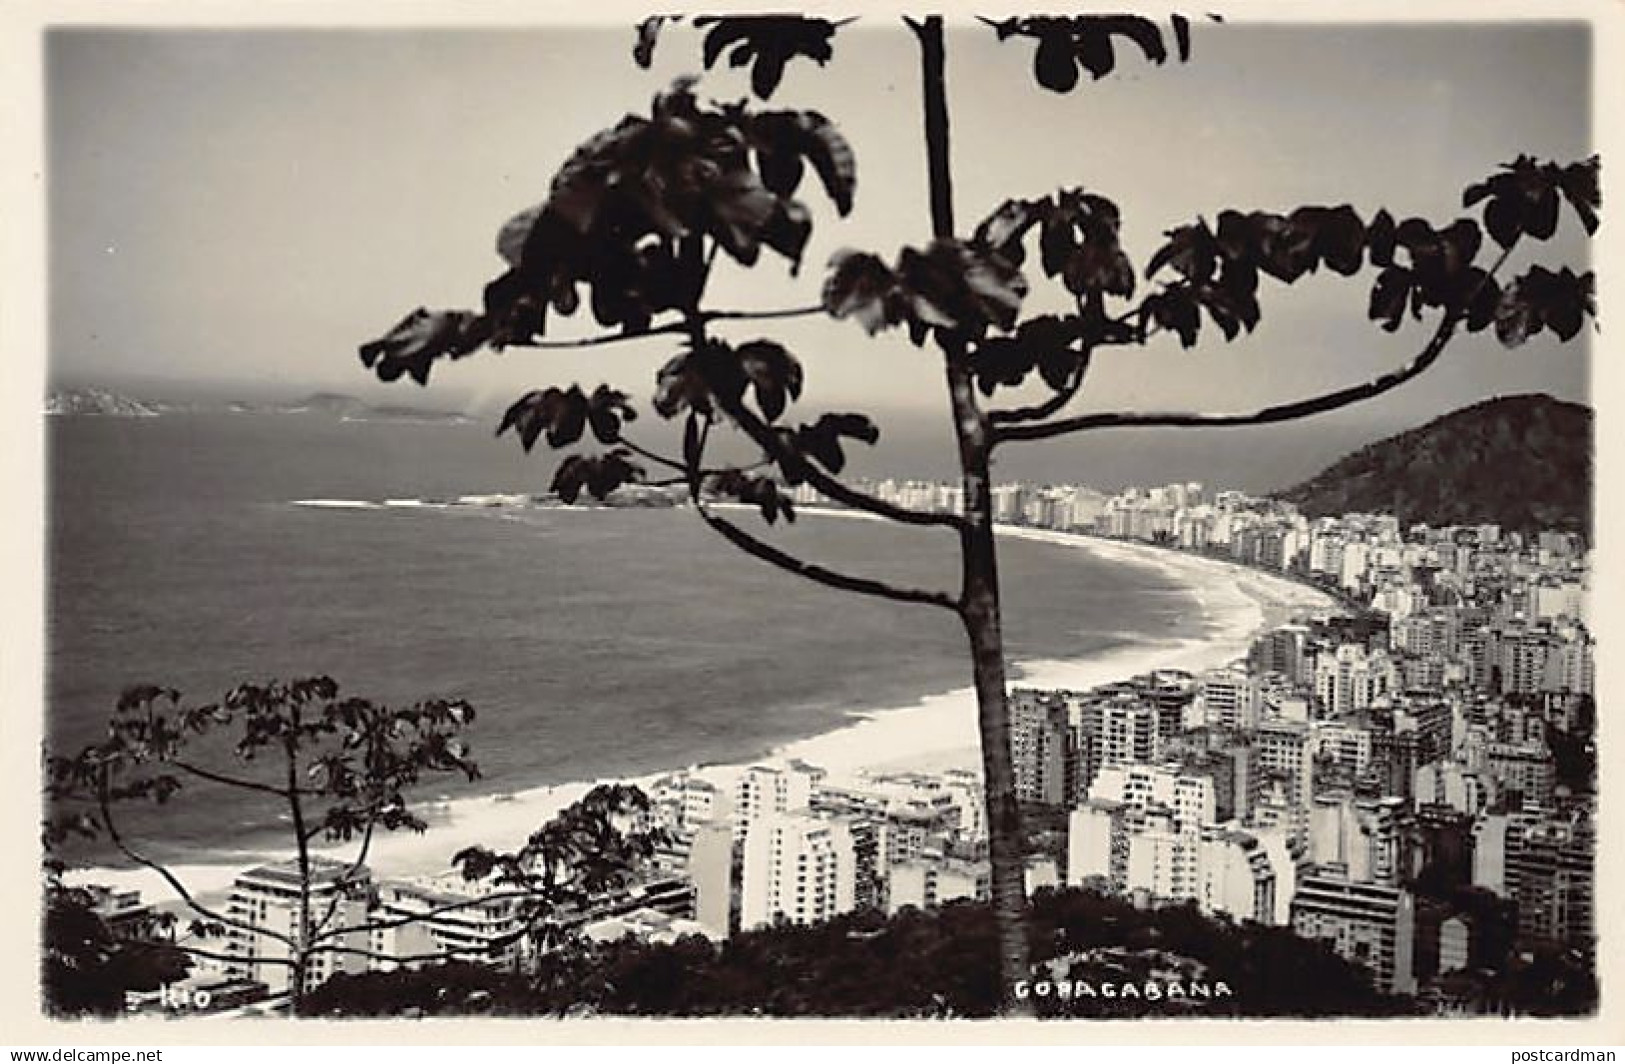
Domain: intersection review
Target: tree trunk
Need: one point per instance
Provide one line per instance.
(301, 951)
(980, 614)
(979, 609)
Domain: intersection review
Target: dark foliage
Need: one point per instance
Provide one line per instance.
(1523, 462)
(596, 845)
(936, 963)
(1088, 42)
(765, 43)
(86, 966)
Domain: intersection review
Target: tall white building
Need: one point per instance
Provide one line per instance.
(797, 867)
(1097, 843)
(763, 790)
(1350, 679)
(1235, 875)
(1229, 698)
(268, 898)
(1189, 798)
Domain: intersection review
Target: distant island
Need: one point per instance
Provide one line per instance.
(105, 403)
(97, 401)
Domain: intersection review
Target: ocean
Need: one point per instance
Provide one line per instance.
(592, 643)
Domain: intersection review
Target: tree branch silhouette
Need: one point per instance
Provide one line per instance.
(817, 573)
(1268, 415)
(104, 802)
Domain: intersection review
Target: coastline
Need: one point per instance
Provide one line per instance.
(1238, 603)
(939, 730)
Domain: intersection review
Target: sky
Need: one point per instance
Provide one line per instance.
(246, 207)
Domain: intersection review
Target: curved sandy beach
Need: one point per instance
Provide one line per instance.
(934, 733)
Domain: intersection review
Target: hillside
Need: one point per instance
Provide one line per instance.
(1521, 461)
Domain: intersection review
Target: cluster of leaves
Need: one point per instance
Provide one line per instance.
(1523, 198)
(765, 43)
(598, 844)
(357, 758)
(1216, 270)
(561, 416)
(712, 380)
(715, 376)
(758, 491)
(1079, 245)
(627, 216)
(956, 289)
(564, 414)
(1068, 44)
(1540, 299)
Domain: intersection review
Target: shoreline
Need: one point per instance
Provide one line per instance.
(938, 730)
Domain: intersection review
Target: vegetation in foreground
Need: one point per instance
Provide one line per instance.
(939, 963)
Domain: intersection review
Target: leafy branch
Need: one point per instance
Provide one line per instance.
(698, 430)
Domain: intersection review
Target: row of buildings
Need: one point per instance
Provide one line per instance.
(1405, 784)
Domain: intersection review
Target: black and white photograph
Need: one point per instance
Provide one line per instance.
(945, 516)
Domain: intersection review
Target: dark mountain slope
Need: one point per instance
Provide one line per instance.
(1521, 461)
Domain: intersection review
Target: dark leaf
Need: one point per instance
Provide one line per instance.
(725, 31)
(1003, 230)
(1054, 64)
(1191, 250)
(1340, 240)
(420, 338)
(954, 286)
(1175, 310)
(767, 41)
(1056, 241)
(1058, 364)
(861, 286)
(740, 207)
(1141, 31)
(607, 409)
(1581, 188)
(822, 440)
(1286, 248)
(788, 231)
(773, 372)
(1482, 303)
(679, 386)
(1093, 48)
(515, 234)
(1389, 297)
(831, 156)
(1515, 319)
(765, 75)
(781, 169)
(1504, 218)
(1380, 239)
(761, 492)
(608, 472)
(1540, 217)
(648, 33)
(1182, 36)
(570, 478)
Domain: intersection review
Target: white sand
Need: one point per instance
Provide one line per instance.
(935, 733)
